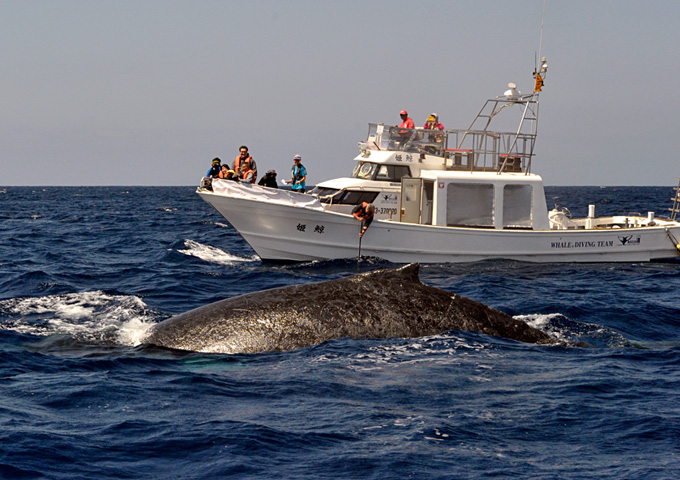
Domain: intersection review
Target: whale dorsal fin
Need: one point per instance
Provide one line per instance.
(408, 273)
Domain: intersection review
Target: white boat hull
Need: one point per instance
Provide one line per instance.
(284, 232)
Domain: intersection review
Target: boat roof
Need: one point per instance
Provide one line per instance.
(481, 177)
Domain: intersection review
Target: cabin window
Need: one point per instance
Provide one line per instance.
(517, 206)
(392, 173)
(354, 197)
(469, 204)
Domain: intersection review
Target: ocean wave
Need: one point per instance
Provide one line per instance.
(565, 329)
(376, 354)
(91, 317)
(213, 254)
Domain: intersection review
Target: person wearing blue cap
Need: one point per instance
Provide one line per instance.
(299, 175)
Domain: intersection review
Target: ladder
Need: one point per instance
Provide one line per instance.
(676, 201)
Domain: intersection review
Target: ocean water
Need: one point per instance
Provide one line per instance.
(85, 271)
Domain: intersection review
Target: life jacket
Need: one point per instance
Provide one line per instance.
(237, 162)
(363, 213)
(245, 174)
(228, 175)
(297, 172)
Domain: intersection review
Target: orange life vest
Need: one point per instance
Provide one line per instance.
(245, 174)
(237, 162)
(363, 213)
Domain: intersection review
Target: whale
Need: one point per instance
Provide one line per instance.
(386, 303)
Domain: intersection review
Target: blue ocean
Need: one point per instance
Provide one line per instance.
(85, 271)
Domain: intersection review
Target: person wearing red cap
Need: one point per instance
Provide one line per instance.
(406, 121)
(404, 135)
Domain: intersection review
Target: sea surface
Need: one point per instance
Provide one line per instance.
(85, 271)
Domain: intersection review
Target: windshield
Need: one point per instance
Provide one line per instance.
(326, 195)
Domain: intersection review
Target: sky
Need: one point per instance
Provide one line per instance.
(147, 92)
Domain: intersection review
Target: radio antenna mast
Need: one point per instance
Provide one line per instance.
(540, 43)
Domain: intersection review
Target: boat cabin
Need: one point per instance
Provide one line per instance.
(463, 178)
(485, 200)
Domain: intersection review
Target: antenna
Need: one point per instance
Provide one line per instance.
(540, 43)
(539, 73)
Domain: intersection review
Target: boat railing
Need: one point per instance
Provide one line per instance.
(472, 150)
(416, 140)
(675, 209)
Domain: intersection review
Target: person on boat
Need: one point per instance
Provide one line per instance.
(406, 121)
(214, 171)
(432, 123)
(226, 173)
(269, 180)
(402, 135)
(299, 175)
(364, 213)
(244, 157)
(247, 175)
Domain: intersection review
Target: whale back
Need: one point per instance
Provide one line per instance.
(379, 304)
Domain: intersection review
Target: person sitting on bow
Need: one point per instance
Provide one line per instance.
(247, 175)
(269, 179)
(214, 171)
(244, 157)
(226, 173)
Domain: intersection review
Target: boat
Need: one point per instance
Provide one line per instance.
(442, 196)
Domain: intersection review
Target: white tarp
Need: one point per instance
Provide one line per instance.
(230, 188)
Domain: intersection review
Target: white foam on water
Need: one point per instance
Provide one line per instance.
(213, 254)
(567, 330)
(134, 331)
(436, 349)
(540, 321)
(544, 322)
(93, 317)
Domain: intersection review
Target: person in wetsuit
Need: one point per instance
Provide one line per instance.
(364, 213)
